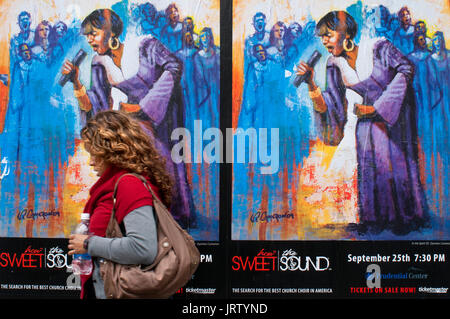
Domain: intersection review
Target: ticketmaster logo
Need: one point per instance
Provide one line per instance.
(207, 146)
(441, 290)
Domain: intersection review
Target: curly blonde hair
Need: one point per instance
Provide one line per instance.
(119, 140)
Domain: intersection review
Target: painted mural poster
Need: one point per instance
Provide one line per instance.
(353, 145)
(45, 172)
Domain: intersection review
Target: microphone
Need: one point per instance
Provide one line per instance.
(299, 79)
(76, 61)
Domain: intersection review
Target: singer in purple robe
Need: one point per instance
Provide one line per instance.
(140, 77)
(390, 195)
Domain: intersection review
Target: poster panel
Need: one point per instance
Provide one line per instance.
(296, 219)
(340, 187)
(45, 172)
(316, 164)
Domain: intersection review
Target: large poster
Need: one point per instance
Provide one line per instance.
(45, 172)
(317, 166)
(332, 184)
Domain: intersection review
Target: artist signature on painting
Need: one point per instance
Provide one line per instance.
(31, 214)
(6, 168)
(265, 217)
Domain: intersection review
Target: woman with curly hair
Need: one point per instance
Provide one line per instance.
(118, 145)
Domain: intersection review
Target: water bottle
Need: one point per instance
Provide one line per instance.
(82, 263)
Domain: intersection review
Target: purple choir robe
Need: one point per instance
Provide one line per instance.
(390, 195)
(156, 89)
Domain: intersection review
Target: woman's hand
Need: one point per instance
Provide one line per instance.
(364, 111)
(302, 69)
(76, 244)
(67, 68)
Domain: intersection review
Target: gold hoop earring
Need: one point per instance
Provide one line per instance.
(113, 43)
(345, 45)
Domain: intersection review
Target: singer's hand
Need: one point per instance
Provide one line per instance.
(129, 108)
(364, 111)
(67, 68)
(302, 68)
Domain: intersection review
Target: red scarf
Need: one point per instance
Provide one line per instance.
(131, 194)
